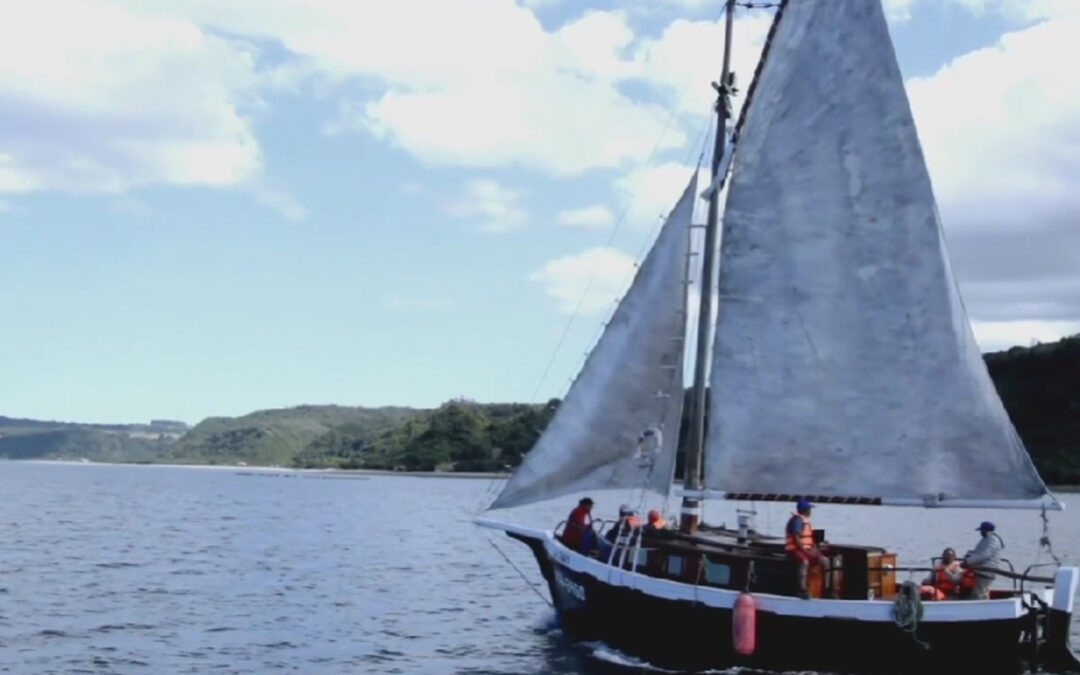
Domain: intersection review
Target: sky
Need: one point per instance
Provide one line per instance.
(211, 207)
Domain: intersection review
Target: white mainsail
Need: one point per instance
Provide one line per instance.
(844, 365)
(631, 382)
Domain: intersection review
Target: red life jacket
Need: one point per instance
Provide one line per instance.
(575, 527)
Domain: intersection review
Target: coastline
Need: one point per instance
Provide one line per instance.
(263, 467)
(1068, 489)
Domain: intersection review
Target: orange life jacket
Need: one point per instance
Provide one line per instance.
(806, 537)
(944, 582)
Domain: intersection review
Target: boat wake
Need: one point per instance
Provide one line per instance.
(612, 656)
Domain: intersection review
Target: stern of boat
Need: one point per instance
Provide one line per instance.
(1058, 655)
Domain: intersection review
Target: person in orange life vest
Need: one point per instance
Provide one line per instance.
(624, 527)
(578, 533)
(947, 579)
(656, 521)
(800, 546)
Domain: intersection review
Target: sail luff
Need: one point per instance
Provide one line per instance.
(603, 434)
(844, 364)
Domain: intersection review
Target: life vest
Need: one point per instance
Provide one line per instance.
(576, 524)
(806, 537)
(943, 580)
(931, 593)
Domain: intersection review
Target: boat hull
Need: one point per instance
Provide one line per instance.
(684, 635)
(680, 626)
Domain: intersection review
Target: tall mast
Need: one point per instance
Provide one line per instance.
(691, 509)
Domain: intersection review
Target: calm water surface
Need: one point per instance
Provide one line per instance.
(137, 569)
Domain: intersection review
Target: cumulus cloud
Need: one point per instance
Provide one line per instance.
(1000, 128)
(281, 201)
(106, 99)
(493, 206)
(589, 282)
(652, 191)
(598, 216)
(687, 57)
(552, 100)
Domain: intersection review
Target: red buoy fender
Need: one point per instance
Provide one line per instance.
(744, 624)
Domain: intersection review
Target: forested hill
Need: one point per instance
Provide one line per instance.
(1039, 385)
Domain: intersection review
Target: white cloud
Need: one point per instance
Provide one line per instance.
(898, 10)
(653, 191)
(590, 282)
(106, 99)
(1000, 128)
(688, 56)
(999, 335)
(495, 207)
(598, 216)
(489, 87)
(281, 201)
(695, 4)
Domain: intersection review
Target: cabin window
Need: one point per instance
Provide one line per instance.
(717, 573)
(675, 565)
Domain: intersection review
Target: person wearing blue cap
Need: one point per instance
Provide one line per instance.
(800, 546)
(984, 559)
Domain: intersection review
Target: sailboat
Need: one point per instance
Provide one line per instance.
(841, 369)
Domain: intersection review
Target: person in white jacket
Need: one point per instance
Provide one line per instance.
(984, 559)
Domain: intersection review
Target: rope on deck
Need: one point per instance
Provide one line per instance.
(908, 611)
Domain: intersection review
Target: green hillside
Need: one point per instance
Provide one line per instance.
(275, 437)
(1040, 387)
(82, 443)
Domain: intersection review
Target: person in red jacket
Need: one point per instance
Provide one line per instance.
(578, 533)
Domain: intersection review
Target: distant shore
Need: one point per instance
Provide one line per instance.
(420, 474)
(371, 472)
(263, 467)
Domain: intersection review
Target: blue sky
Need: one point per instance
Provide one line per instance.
(209, 208)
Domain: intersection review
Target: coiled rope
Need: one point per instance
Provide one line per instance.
(908, 611)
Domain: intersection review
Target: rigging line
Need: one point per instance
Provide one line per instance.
(618, 224)
(520, 573)
(701, 142)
